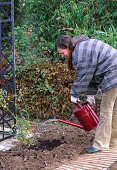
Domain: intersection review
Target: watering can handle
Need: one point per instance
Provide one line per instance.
(79, 105)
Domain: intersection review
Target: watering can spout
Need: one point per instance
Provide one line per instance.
(71, 123)
(85, 115)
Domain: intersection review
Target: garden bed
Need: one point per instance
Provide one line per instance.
(53, 146)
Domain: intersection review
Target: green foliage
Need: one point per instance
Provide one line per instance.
(3, 95)
(23, 124)
(43, 90)
(45, 20)
(52, 18)
(19, 12)
(23, 44)
(107, 36)
(24, 130)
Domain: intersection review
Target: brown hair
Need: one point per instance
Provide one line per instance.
(65, 41)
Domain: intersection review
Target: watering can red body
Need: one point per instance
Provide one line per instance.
(86, 116)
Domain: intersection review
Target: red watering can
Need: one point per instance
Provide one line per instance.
(86, 116)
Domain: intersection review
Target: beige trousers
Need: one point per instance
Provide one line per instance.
(106, 132)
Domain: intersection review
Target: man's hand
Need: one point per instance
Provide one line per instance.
(91, 99)
(74, 99)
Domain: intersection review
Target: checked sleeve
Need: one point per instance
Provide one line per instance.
(84, 82)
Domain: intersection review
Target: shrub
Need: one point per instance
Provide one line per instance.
(43, 90)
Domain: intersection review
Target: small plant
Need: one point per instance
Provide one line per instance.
(24, 130)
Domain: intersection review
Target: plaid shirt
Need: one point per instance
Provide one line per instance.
(95, 63)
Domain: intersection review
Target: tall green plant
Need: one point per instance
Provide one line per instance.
(51, 17)
(45, 20)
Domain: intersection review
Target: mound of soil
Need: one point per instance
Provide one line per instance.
(53, 146)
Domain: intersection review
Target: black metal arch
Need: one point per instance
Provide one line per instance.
(7, 71)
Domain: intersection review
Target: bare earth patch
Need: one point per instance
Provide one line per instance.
(54, 146)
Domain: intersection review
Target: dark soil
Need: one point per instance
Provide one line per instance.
(54, 146)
